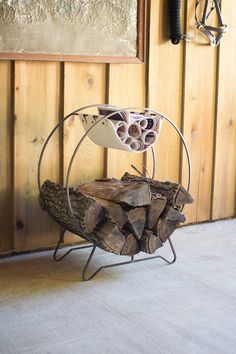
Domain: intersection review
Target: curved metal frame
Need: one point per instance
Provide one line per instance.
(92, 127)
(118, 110)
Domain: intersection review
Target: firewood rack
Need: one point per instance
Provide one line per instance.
(85, 275)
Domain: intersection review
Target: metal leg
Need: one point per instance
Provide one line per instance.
(57, 259)
(132, 260)
(102, 267)
(91, 276)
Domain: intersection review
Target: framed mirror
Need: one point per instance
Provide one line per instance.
(73, 30)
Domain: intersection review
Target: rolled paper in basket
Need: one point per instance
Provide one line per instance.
(117, 116)
(134, 130)
(143, 123)
(127, 140)
(151, 123)
(146, 122)
(139, 118)
(121, 128)
(149, 137)
(137, 145)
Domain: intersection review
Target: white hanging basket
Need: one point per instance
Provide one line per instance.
(134, 132)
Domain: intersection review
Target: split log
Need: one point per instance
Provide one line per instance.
(173, 214)
(168, 222)
(134, 194)
(154, 211)
(149, 242)
(175, 193)
(113, 211)
(108, 236)
(164, 229)
(137, 221)
(131, 246)
(88, 213)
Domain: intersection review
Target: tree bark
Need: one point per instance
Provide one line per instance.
(88, 213)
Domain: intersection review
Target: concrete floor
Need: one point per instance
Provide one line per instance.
(144, 308)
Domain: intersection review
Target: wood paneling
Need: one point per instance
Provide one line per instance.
(6, 146)
(84, 84)
(191, 83)
(199, 114)
(37, 87)
(127, 89)
(224, 190)
(165, 90)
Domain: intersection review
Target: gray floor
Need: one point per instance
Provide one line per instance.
(146, 308)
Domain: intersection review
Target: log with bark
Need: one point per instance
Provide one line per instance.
(176, 195)
(135, 194)
(120, 216)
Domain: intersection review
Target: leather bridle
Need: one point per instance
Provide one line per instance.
(213, 34)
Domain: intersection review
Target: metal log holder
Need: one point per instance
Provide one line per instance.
(85, 275)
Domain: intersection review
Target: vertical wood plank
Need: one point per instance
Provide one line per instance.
(6, 205)
(224, 191)
(199, 113)
(165, 90)
(37, 94)
(126, 88)
(85, 84)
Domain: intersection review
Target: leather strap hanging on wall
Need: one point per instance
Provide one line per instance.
(174, 16)
(175, 22)
(213, 34)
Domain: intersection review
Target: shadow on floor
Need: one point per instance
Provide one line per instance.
(39, 272)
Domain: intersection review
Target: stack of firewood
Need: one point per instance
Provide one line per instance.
(120, 216)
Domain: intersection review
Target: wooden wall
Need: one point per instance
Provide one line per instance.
(193, 84)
